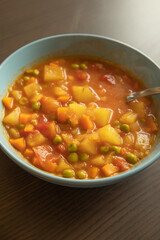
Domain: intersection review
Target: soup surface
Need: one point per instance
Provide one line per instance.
(69, 116)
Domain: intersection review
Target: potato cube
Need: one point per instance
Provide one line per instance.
(88, 146)
(77, 109)
(62, 166)
(129, 117)
(98, 161)
(13, 117)
(54, 73)
(139, 108)
(16, 94)
(35, 139)
(58, 91)
(102, 116)
(31, 89)
(83, 94)
(110, 135)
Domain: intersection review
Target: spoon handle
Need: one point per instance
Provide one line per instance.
(144, 93)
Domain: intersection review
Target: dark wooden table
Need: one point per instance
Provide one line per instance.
(31, 209)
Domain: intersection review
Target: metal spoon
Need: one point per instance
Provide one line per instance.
(144, 93)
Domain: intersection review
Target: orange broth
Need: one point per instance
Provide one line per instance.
(69, 116)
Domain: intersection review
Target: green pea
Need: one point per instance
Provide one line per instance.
(72, 102)
(116, 123)
(68, 173)
(104, 149)
(83, 156)
(83, 66)
(53, 117)
(73, 157)
(26, 78)
(35, 72)
(131, 158)
(57, 139)
(72, 147)
(23, 101)
(116, 149)
(75, 66)
(125, 128)
(20, 126)
(36, 105)
(81, 174)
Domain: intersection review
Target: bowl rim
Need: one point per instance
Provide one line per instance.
(67, 181)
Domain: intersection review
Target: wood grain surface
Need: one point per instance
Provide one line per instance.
(31, 209)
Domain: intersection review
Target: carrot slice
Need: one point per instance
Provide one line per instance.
(28, 152)
(64, 99)
(93, 172)
(29, 127)
(49, 166)
(86, 122)
(109, 169)
(25, 118)
(8, 102)
(18, 143)
(62, 115)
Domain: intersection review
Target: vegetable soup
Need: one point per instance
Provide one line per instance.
(69, 116)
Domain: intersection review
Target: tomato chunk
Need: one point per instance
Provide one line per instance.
(121, 163)
(46, 153)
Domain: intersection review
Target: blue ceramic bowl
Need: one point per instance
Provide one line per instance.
(77, 44)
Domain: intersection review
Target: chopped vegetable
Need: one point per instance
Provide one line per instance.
(54, 73)
(93, 172)
(102, 116)
(25, 118)
(14, 133)
(62, 114)
(64, 99)
(89, 146)
(109, 134)
(86, 122)
(83, 66)
(121, 163)
(109, 169)
(31, 88)
(129, 117)
(13, 117)
(8, 102)
(18, 143)
(49, 105)
(35, 139)
(98, 161)
(83, 94)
